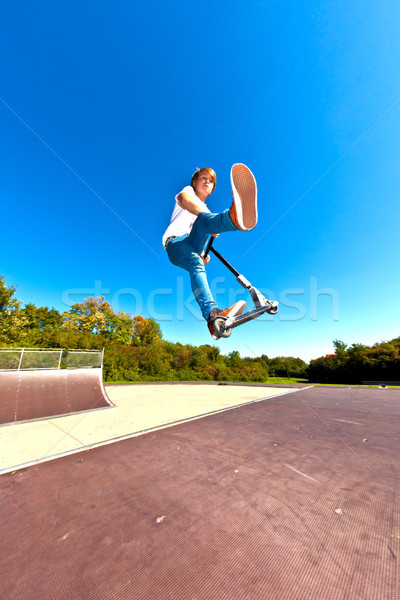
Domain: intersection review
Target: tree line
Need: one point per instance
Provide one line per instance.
(358, 363)
(134, 346)
(136, 351)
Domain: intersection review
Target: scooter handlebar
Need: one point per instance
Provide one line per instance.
(210, 243)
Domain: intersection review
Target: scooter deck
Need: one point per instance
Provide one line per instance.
(223, 325)
(233, 322)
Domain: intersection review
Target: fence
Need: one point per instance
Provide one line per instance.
(29, 359)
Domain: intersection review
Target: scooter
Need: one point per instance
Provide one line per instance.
(223, 325)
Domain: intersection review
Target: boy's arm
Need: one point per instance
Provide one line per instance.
(191, 203)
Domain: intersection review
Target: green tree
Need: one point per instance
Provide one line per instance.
(41, 318)
(12, 320)
(340, 347)
(145, 331)
(357, 363)
(287, 366)
(155, 362)
(96, 316)
(233, 359)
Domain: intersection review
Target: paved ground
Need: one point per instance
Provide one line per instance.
(295, 497)
(137, 409)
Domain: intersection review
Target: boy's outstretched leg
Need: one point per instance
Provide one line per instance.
(241, 216)
(243, 211)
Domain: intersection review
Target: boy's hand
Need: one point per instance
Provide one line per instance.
(214, 235)
(205, 259)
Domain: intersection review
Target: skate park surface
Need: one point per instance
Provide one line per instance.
(206, 492)
(136, 409)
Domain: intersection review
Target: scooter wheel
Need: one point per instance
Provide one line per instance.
(219, 326)
(273, 309)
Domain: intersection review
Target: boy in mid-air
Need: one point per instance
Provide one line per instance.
(192, 223)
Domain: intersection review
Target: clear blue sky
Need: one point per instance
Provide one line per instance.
(106, 110)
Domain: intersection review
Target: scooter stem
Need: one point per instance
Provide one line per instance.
(209, 248)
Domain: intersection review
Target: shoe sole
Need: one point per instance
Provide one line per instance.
(244, 191)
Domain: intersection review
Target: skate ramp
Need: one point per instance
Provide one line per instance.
(39, 393)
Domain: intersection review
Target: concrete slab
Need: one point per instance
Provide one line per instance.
(292, 498)
(138, 409)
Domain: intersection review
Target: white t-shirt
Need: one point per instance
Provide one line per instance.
(182, 220)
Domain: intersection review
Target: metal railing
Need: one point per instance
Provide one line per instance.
(29, 359)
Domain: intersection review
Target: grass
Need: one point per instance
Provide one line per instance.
(287, 380)
(269, 380)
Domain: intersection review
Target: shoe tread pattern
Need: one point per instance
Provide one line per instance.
(246, 187)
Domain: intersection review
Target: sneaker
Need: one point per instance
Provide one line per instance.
(232, 311)
(243, 211)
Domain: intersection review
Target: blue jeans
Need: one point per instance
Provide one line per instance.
(184, 251)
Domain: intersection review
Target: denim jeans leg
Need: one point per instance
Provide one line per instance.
(206, 224)
(181, 254)
(200, 287)
(184, 251)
